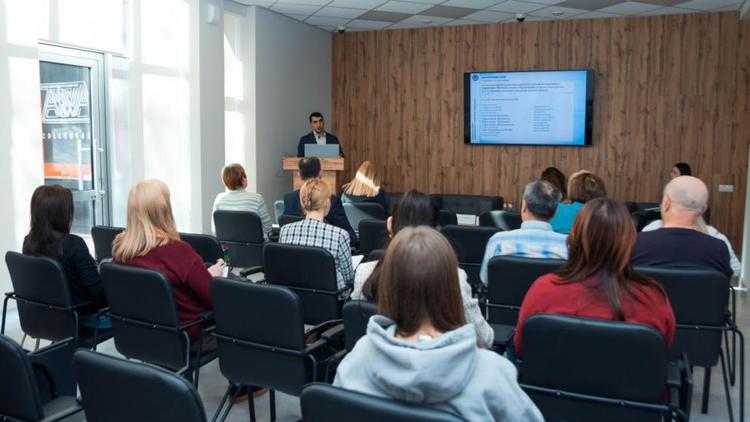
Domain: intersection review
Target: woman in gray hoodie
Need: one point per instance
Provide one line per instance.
(420, 349)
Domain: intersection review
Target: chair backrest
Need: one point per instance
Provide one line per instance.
(312, 276)
(204, 245)
(508, 280)
(117, 390)
(19, 393)
(241, 232)
(326, 403)
(393, 198)
(285, 219)
(43, 296)
(144, 316)
(642, 218)
(698, 297)
(373, 234)
(103, 237)
(469, 204)
(447, 218)
(356, 314)
(251, 319)
(469, 244)
(358, 211)
(278, 209)
(503, 220)
(610, 359)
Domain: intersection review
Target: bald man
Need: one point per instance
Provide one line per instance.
(677, 243)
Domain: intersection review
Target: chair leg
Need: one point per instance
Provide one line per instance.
(706, 388)
(272, 401)
(23, 340)
(221, 404)
(742, 374)
(731, 362)
(37, 345)
(196, 375)
(235, 393)
(726, 387)
(251, 403)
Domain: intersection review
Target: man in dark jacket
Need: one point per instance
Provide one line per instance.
(317, 136)
(309, 168)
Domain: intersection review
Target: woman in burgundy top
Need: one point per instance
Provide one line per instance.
(151, 241)
(598, 281)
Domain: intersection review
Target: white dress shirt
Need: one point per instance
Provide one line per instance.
(320, 139)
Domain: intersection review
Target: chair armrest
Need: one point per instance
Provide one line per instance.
(344, 289)
(64, 414)
(252, 270)
(207, 316)
(201, 320)
(333, 333)
(80, 305)
(10, 294)
(314, 346)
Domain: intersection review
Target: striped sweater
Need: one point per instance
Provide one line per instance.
(241, 200)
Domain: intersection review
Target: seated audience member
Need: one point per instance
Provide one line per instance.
(557, 178)
(420, 350)
(702, 227)
(150, 240)
(598, 280)
(416, 209)
(237, 198)
(309, 168)
(365, 187)
(49, 235)
(583, 186)
(680, 169)
(535, 238)
(677, 243)
(315, 196)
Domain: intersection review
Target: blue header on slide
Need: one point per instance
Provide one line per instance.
(529, 108)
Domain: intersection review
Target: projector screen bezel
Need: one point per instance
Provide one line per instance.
(589, 118)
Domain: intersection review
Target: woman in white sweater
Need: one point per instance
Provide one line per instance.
(416, 209)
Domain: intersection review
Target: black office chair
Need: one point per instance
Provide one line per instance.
(468, 204)
(374, 255)
(699, 300)
(373, 234)
(469, 244)
(145, 321)
(117, 390)
(593, 370)
(508, 280)
(242, 233)
(285, 219)
(392, 199)
(326, 403)
(103, 237)
(30, 389)
(447, 218)
(642, 218)
(356, 314)
(358, 211)
(261, 339)
(45, 304)
(311, 274)
(503, 220)
(207, 247)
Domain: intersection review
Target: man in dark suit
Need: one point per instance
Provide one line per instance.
(309, 168)
(317, 136)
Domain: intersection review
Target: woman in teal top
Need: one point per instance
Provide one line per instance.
(583, 186)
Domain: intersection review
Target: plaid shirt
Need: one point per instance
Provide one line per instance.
(310, 232)
(535, 239)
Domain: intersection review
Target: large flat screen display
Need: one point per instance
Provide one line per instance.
(529, 108)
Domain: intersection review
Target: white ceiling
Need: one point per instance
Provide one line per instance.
(368, 15)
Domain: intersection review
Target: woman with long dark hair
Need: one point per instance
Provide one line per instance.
(49, 235)
(598, 280)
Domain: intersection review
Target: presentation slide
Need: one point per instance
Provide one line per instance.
(543, 108)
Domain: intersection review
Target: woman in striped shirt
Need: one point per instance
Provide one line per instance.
(236, 198)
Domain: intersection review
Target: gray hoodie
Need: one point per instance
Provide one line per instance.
(448, 372)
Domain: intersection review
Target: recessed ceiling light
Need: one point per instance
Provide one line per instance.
(427, 21)
(558, 13)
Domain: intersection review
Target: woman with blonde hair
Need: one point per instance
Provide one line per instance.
(365, 187)
(315, 197)
(150, 241)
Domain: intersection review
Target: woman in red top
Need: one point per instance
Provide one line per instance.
(598, 280)
(151, 241)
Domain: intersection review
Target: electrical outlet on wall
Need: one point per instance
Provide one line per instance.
(726, 188)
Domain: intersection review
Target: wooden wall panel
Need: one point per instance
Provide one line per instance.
(668, 89)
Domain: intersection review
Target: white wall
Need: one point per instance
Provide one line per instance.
(292, 71)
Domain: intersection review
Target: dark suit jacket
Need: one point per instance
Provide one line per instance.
(336, 217)
(310, 139)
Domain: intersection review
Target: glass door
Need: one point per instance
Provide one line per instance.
(73, 131)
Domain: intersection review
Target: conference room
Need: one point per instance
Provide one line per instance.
(370, 210)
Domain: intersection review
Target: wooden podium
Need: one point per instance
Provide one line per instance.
(329, 169)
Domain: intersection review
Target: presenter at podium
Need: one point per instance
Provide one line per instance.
(317, 136)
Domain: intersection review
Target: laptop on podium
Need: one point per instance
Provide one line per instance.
(322, 150)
